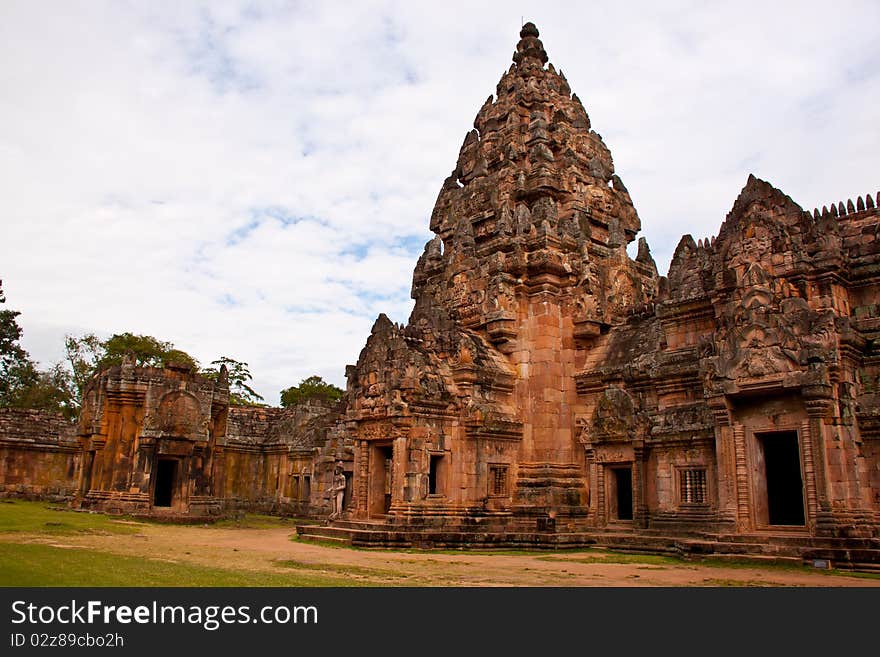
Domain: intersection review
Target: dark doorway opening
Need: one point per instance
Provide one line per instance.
(623, 484)
(785, 488)
(433, 474)
(163, 494)
(380, 479)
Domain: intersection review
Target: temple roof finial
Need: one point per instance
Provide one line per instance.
(529, 29)
(530, 46)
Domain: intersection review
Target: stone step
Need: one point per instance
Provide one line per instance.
(798, 540)
(323, 531)
(772, 548)
(859, 566)
(362, 524)
(341, 540)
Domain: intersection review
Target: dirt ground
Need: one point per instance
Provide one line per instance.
(272, 550)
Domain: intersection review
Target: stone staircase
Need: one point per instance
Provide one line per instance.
(858, 554)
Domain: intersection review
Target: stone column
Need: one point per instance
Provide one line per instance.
(361, 468)
(818, 407)
(640, 503)
(725, 462)
(743, 494)
(806, 438)
(592, 482)
(398, 469)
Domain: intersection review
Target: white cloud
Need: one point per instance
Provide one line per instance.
(255, 179)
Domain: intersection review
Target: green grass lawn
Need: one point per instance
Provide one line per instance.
(30, 564)
(38, 564)
(44, 565)
(43, 518)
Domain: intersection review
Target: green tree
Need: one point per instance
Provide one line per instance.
(240, 393)
(49, 390)
(15, 363)
(314, 387)
(22, 385)
(147, 350)
(83, 355)
(88, 353)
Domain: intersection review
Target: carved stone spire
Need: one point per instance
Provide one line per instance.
(530, 50)
(534, 197)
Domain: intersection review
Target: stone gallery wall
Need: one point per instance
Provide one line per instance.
(39, 455)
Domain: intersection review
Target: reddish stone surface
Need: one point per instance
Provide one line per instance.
(39, 455)
(547, 375)
(547, 388)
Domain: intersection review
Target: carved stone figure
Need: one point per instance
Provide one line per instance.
(337, 491)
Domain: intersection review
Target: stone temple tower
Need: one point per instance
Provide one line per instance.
(547, 388)
(471, 408)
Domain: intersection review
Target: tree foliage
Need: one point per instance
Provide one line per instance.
(14, 360)
(83, 355)
(49, 390)
(147, 350)
(22, 384)
(314, 387)
(88, 353)
(61, 388)
(240, 393)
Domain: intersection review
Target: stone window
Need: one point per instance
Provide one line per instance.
(498, 480)
(294, 488)
(692, 482)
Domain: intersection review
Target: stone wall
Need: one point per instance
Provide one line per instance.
(270, 455)
(39, 455)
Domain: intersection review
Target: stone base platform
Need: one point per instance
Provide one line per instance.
(857, 554)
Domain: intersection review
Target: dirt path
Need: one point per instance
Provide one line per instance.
(272, 550)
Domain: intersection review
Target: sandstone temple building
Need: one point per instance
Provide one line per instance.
(547, 389)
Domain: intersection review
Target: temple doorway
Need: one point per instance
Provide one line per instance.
(163, 493)
(621, 497)
(382, 461)
(782, 476)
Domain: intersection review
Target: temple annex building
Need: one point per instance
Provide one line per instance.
(548, 390)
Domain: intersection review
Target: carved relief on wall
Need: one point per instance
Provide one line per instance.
(582, 430)
(766, 329)
(614, 417)
(375, 431)
(623, 294)
(178, 415)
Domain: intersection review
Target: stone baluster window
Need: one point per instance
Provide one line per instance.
(498, 480)
(692, 483)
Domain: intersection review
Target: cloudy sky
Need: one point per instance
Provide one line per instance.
(254, 179)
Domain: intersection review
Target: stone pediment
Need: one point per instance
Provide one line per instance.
(177, 415)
